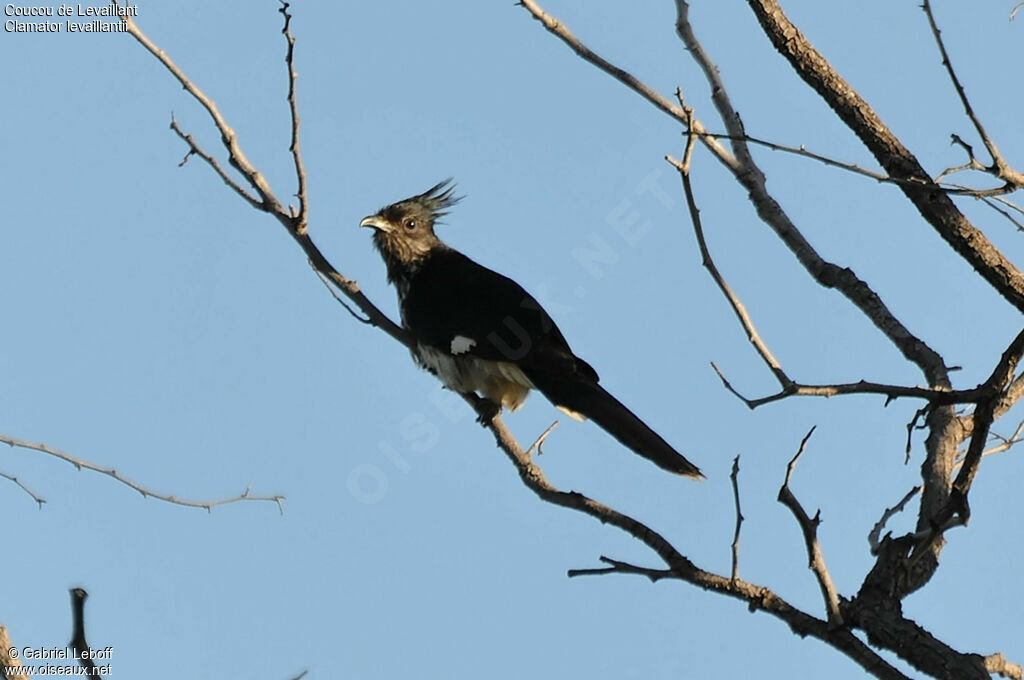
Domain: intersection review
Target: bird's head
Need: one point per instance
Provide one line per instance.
(404, 231)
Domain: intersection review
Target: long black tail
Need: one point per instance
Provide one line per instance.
(592, 401)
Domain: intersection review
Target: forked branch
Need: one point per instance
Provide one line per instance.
(809, 528)
(145, 491)
(294, 220)
(1000, 168)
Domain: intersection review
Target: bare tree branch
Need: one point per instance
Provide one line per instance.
(756, 597)
(940, 417)
(238, 160)
(890, 392)
(709, 263)
(803, 151)
(38, 499)
(1011, 395)
(1000, 168)
(659, 101)
(619, 567)
(341, 301)
(990, 202)
(146, 492)
(293, 107)
(997, 663)
(734, 479)
(933, 204)
(538, 444)
(956, 511)
(789, 387)
(679, 567)
(195, 150)
(985, 413)
(8, 661)
(824, 272)
(949, 187)
(1005, 443)
(876, 531)
(809, 527)
(268, 202)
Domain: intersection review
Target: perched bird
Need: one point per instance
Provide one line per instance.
(479, 331)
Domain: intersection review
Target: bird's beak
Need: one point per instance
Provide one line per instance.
(376, 222)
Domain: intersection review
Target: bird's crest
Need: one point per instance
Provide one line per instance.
(438, 198)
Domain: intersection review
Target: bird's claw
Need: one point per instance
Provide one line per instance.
(487, 411)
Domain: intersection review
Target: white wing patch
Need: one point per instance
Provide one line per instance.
(461, 344)
(575, 415)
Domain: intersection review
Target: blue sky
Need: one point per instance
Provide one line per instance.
(157, 325)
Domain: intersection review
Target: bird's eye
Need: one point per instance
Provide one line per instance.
(410, 224)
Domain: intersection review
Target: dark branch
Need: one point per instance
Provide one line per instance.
(876, 531)
(302, 215)
(934, 205)
(734, 479)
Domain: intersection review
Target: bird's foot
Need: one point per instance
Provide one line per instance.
(486, 411)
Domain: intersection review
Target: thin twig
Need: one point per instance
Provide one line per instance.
(803, 151)
(539, 443)
(948, 187)
(302, 215)
(1000, 168)
(809, 527)
(890, 392)
(912, 425)
(268, 202)
(1005, 444)
(734, 478)
(238, 160)
(874, 539)
(341, 301)
(619, 567)
(988, 200)
(146, 492)
(709, 263)
(196, 150)
(36, 497)
(660, 102)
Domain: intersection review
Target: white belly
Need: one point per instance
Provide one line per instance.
(500, 381)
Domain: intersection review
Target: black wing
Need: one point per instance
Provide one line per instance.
(490, 316)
